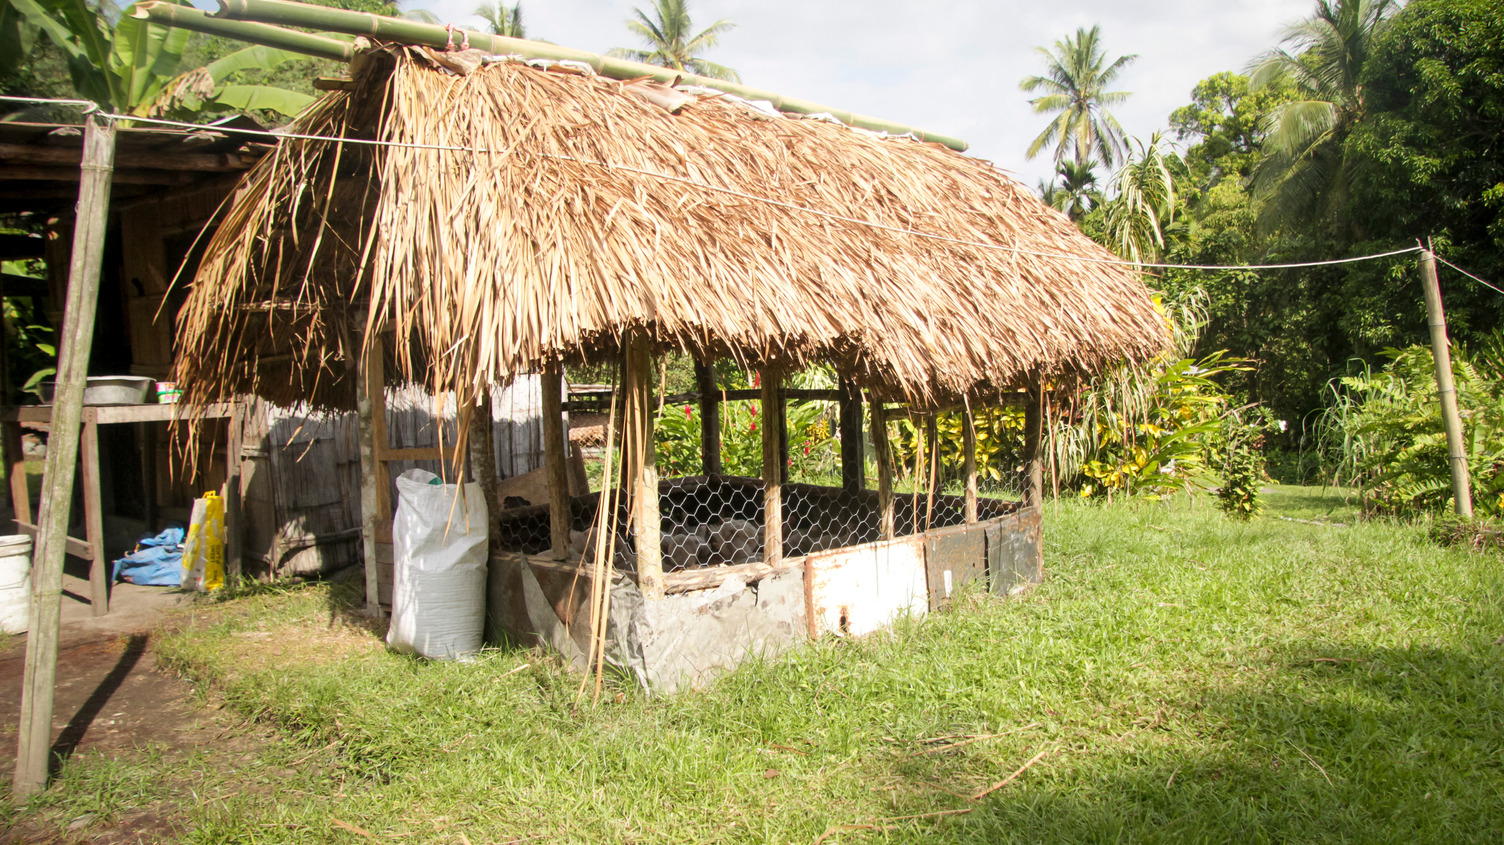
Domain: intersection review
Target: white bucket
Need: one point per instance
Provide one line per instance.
(15, 583)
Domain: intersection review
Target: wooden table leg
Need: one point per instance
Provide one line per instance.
(99, 587)
(15, 464)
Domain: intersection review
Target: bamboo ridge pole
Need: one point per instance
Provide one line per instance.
(187, 17)
(288, 13)
(35, 730)
(1440, 350)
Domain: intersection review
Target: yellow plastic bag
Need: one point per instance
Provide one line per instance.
(204, 548)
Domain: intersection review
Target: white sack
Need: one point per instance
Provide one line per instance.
(439, 582)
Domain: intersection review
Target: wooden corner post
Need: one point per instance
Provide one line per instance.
(853, 451)
(76, 342)
(1033, 437)
(555, 468)
(1436, 317)
(884, 457)
(640, 465)
(773, 465)
(710, 418)
(969, 461)
(370, 395)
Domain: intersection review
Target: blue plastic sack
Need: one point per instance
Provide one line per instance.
(157, 560)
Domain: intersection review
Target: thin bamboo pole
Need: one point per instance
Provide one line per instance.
(187, 17)
(969, 462)
(884, 457)
(773, 466)
(35, 729)
(287, 13)
(1447, 392)
(642, 467)
(553, 460)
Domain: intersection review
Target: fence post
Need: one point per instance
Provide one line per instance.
(77, 339)
(1437, 319)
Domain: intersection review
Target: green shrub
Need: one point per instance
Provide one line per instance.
(1385, 431)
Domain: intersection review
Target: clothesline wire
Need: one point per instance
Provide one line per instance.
(1139, 265)
(1469, 275)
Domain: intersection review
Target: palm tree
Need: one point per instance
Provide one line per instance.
(1303, 173)
(667, 33)
(1075, 192)
(502, 19)
(1075, 84)
(1143, 203)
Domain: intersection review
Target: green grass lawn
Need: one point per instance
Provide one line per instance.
(1187, 679)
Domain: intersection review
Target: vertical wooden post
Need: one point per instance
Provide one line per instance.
(554, 458)
(779, 417)
(932, 443)
(853, 452)
(1445, 390)
(482, 448)
(641, 465)
(969, 461)
(710, 419)
(1033, 434)
(35, 729)
(369, 384)
(884, 458)
(234, 530)
(99, 587)
(773, 466)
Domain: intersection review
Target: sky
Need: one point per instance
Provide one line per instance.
(950, 66)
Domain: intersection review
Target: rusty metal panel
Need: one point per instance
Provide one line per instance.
(861, 589)
(953, 557)
(1014, 551)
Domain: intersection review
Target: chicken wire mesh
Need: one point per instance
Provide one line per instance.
(719, 519)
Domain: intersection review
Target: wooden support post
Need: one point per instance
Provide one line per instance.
(853, 451)
(370, 383)
(235, 532)
(99, 587)
(932, 445)
(710, 419)
(884, 457)
(641, 465)
(483, 460)
(554, 457)
(1440, 350)
(76, 341)
(780, 417)
(774, 466)
(1033, 434)
(969, 461)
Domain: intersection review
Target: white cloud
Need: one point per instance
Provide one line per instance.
(951, 67)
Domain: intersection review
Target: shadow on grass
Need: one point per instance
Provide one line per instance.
(1333, 743)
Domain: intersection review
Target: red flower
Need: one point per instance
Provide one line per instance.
(757, 379)
(753, 409)
(806, 450)
(752, 427)
(688, 414)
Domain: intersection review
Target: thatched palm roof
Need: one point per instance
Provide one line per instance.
(580, 209)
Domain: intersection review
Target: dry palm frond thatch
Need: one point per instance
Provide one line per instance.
(579, 211)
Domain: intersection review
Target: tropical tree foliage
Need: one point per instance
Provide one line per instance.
(1074, 85)
(672, 42)
(501, 19)
(1304, 173)
(1075, 191)
(132, 66)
